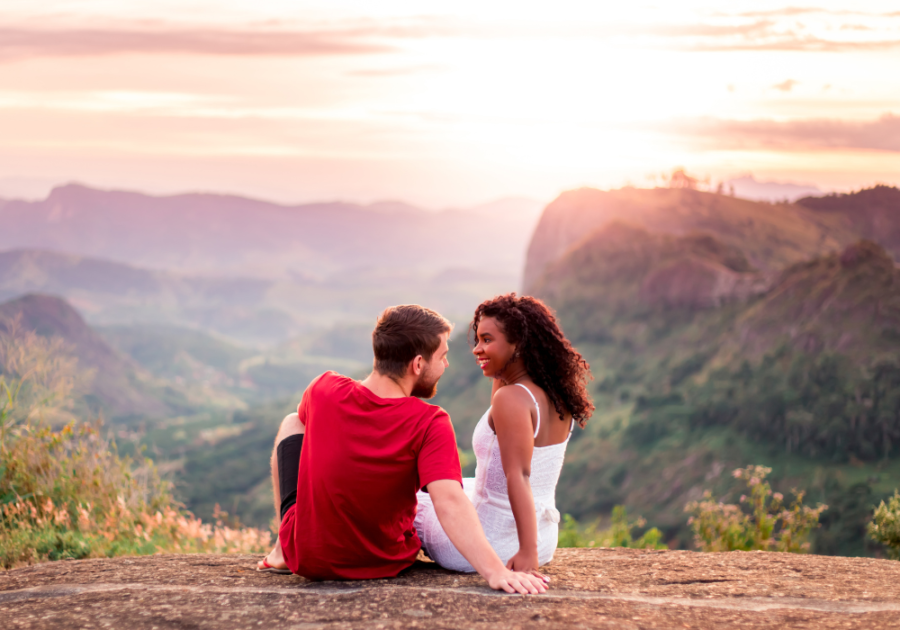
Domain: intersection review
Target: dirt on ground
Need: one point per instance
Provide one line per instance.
(591, 588)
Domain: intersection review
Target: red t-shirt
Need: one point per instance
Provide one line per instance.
(363, 460)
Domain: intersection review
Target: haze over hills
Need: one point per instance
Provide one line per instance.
(228, 235)
(251, 311)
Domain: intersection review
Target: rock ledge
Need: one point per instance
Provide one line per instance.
(596, 588)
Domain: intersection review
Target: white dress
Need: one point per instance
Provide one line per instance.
(488, 493)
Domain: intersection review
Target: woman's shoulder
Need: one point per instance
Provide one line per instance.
(512, 397)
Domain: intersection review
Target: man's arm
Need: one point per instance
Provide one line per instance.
(460, 522)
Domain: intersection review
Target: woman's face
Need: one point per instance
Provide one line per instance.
(492, 350)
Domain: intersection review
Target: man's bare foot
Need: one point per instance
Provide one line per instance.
(275, 559)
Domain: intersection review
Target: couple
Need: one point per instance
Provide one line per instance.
(379, 477)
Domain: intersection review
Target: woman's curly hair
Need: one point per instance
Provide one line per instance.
(549, 358)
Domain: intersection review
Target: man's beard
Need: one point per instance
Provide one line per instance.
(426, 386)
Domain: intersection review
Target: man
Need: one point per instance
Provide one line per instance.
(348, 504)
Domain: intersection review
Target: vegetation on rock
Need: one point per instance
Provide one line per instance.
(618, 534)
(885, 525)
(767, 523)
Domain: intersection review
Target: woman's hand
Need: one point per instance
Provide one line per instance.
(519, 582)
(526, 562)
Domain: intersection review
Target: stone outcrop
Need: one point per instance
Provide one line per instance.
(596, 588)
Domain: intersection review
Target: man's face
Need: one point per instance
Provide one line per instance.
(426, 385)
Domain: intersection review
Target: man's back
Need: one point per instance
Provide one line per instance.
(363, 459)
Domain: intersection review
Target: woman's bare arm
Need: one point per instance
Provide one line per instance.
(511, 414)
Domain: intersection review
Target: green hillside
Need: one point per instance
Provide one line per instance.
(696, 375)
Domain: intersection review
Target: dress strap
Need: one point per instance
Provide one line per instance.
(536, 406)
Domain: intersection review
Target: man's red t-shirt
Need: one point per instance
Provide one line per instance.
(363, 459)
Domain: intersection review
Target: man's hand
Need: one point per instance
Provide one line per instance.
(516, 582)
(460, 522)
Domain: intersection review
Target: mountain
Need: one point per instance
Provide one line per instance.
(873, 213)
(229, 235)
(704, 364)
(770, 235)
(118, 389)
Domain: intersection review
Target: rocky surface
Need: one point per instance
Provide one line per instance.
(596, 588)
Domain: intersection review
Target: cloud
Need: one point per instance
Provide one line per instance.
(18, 43)
(784, 12)
(794, 11)
(793, 41)
(882, 134)
(786, 86)
(780, 30)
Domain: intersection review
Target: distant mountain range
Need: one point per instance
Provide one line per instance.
(227, 235)
(747, 187)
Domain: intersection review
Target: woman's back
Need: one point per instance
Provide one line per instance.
(489, 493)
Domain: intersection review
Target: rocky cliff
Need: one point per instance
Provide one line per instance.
(771, 236)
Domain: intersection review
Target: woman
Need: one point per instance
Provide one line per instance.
(520, 442)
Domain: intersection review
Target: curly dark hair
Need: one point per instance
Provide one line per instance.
(549, 358)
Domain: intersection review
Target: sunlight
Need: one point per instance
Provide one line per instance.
(588, 89)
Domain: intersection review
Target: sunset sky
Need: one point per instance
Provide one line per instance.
(363, 101)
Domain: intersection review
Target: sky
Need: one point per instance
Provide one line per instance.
(444, 104)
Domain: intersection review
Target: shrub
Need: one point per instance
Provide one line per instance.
(618, 534)
(66, 493)
(885, 525)
(37, 379)
(765, 524)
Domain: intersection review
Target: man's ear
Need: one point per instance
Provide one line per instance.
(418, 364)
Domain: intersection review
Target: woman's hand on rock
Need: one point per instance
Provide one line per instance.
(518, 582)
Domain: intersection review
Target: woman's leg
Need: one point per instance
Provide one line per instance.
(435, 541)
